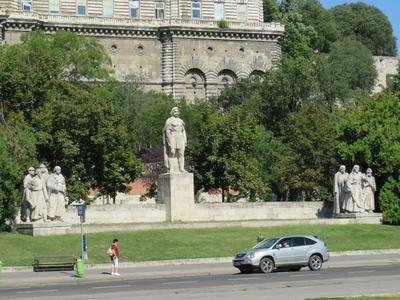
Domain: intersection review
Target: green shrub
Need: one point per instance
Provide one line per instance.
(222, 24)
(389, 198)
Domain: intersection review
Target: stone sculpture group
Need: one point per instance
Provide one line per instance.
(354, 192)
(44, 195)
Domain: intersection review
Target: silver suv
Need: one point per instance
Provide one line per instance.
(294, 252)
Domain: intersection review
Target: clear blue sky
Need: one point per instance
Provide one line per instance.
(391, 8)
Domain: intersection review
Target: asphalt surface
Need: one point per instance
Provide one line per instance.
(281, 284)
(25, 277)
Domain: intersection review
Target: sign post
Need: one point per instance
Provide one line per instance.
(81, 213)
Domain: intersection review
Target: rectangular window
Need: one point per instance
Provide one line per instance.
(26, 5)
(196, 9)
(219, 11)
(108, 8)
(54, 7)
(81, 7)
(242, 12)
(134, 9)
(159, 10)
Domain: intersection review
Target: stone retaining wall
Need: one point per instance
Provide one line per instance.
(202, 212)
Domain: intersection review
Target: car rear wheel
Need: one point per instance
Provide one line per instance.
(267, 265)
(315, 262)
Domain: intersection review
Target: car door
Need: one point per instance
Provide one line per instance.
(283, 255)
(300, 250)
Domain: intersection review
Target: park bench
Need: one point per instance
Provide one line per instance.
(54, 262)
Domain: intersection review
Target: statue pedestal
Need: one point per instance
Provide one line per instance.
(365, 217)
(44, 228)
(176, 190)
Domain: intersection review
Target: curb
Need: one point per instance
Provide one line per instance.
(198, 261)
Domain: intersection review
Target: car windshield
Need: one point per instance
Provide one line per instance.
(264, 244)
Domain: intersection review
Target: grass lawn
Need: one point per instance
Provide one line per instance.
(18, 250)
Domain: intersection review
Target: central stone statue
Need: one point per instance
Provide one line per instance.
(174, 140)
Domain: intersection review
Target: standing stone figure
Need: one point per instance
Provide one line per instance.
(57, 195)
(174, 140)
(38, 197)
(355, 202)
(25, 203)
(44, 175)
(340, 192)
(369, 188)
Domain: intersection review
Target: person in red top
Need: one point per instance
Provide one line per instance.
(115, 257)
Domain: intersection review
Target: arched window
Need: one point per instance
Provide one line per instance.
(226, 78)
(196, 9)
(195, 85)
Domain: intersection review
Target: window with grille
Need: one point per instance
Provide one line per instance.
(196, 9)
(108, 8)
(242, 12)
(54, 7)
(219, 11)
(134, 9)
(81, 7)
(26, 5)
(160, 10)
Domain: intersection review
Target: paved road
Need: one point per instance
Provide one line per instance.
(352, 273)
(278, 285)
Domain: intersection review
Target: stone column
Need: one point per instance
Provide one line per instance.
(167, 63)
(177, 191)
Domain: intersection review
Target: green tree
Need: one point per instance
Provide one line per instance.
(309, 132)
(322, 21)
(221, 149)
(285, 89)
(369, 135)
(17, 151)
(390, 200)
(271, 11)
(366, 24)
(43, 65)
(349, 67)
(82, 133)
(238, 93)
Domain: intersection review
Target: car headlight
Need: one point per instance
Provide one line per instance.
(251, 254)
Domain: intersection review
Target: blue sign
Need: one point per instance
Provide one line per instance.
(81, 211)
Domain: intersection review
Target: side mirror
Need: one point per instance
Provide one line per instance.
(278, 246)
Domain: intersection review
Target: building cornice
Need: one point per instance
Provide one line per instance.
(141, 28)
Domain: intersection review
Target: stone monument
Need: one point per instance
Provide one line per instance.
(43, 200)
(57, 189)
(340, 192)
(176, 187)
(369, 188)
(354, 195)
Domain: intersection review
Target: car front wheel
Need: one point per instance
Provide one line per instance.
(267, 265)
(315, 262)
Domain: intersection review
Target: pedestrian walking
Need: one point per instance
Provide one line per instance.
(115, 257)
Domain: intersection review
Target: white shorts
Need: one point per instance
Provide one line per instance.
(115, 261)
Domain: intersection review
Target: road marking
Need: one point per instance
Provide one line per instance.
(246, 278)
(305, 275)
(40, 291)
(358, 272)
(178, 282)
(111, 286)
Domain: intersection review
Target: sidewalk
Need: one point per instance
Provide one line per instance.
(24, 277)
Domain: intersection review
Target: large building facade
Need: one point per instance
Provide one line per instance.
(180, 47)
